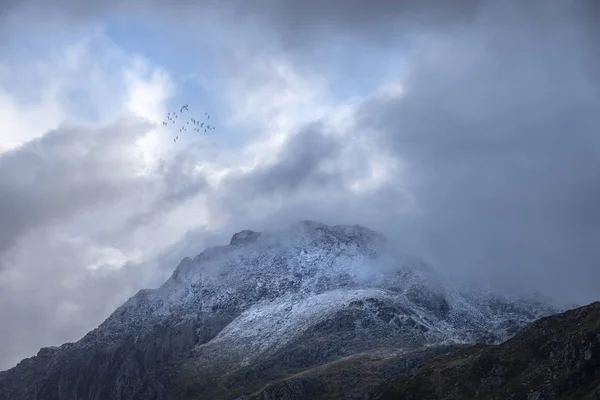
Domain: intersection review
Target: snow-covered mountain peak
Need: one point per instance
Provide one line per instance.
(292, 298)
(300, 264)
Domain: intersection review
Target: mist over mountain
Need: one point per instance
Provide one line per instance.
(465, 131)
(266, 306)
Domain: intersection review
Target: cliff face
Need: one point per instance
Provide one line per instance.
(266, 307)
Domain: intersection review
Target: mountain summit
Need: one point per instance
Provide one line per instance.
(265, 307)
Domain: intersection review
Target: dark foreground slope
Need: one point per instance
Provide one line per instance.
(351, 377)
(557, 357)
(267, 307)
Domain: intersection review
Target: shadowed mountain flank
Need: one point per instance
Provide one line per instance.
(557, 357)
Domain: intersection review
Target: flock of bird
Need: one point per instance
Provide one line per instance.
(196, 124)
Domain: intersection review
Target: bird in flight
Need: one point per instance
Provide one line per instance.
(198, 125)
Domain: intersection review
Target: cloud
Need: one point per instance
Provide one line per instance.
(298, 163)
(294, 25)
(57, 175)
(53, 169)
(81, 159)
(493, 149)
(464, 131)
(63, 284)
(98, 187)
(498, 126)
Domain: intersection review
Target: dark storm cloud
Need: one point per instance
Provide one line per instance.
(297, 24)
(178, 183)
(499, 126)
(69, 170)
(301, 22)
(297, 170)
(298, 164)
(287, 12)
(59, 174)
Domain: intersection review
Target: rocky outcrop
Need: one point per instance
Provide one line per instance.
(244, 237)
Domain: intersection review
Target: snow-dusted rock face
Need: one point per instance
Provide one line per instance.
(263, 306)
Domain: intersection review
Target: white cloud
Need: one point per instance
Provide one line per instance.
(126, 194)
(110, 203)
(78, 121)
(271, 99)
(20, 124)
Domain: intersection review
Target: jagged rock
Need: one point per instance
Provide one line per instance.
(244, 237)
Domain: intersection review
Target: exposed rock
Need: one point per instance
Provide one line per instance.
(244, 237)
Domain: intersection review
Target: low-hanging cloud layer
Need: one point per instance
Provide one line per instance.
(465, 131)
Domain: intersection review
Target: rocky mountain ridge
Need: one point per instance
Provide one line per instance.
(266, 306)
(557, 357)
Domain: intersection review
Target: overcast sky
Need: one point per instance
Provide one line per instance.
(467, 131)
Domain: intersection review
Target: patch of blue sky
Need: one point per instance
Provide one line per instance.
(184, 62)
(160, 47)
(54, 60)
